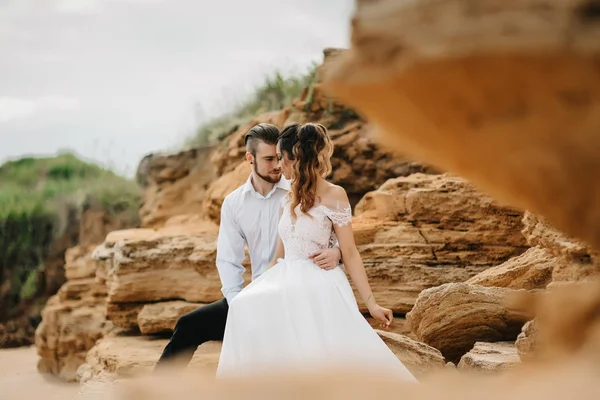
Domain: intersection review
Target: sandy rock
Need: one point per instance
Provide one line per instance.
(575, 261)
(221, 187)
(454, 316)
(530, 270)
(79, 263)
(162, 317)
(422, 231)
(69, 328)
(117, 357)
(175, 184)
(173, 263)
(490, 357)
(124, 315)
(75, 317)
(419, 358)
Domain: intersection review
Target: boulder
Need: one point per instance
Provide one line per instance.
(454, 316)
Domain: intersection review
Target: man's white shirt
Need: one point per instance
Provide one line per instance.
(248, 217)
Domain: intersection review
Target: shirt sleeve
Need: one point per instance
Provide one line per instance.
(230, 253)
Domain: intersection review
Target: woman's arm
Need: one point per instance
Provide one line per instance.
(353, 261)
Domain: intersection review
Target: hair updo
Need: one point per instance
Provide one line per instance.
(310, 148)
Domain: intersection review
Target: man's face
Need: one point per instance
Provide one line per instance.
(265, 162)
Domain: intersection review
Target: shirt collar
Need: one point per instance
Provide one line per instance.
(282, 184)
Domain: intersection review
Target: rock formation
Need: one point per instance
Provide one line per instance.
(490, 357)
(422, 231)
(74, 318)
(454, 316)
(510, 104)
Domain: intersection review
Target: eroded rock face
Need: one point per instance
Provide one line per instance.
(530, 270)
(175, 184)
(146, 268)
(454, 316)
(490, 357)
(161, 317)
(116, 357)
(419, 358)
(575, 261)
(176, 263)
(422, 231)
(72, 320)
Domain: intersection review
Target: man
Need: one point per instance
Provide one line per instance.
(249, 215)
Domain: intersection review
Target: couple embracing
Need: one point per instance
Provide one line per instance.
(299, 312)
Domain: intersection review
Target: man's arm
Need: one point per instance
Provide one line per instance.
(230, 254)
(328, 258)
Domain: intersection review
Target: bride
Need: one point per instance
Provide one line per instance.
(297, 315)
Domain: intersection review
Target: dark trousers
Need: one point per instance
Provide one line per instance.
(192, 329)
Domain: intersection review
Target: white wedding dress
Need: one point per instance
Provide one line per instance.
(296, 316)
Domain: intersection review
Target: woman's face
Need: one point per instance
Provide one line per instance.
(285, 162)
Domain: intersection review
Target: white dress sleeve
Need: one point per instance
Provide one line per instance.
(341, 215)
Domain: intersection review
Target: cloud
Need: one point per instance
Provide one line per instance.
(24, 7)
(12, 108)
(87, 6)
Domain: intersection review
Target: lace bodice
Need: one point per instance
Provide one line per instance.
(305, 235)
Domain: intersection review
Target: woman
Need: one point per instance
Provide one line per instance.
(296, 315)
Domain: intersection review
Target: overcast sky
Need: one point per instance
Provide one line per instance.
(114, 80)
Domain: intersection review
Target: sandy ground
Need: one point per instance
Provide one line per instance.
(20, 380)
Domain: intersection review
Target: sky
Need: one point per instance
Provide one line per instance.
(114, 80)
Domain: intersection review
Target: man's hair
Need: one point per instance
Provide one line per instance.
(267, 133)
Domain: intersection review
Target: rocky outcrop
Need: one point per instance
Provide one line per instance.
(73, 319)
(531, 270)
(423, 231)
(175, 184)
(490, 357)
(575, 261)
(454, 316)
(161, 317)
(220, 188)
(176, 262)
(532, 142)
(419, 358)
(117, 356)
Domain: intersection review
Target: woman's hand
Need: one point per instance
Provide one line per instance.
(383, 315)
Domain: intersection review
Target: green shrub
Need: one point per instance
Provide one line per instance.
(33, 195)
(275, 93)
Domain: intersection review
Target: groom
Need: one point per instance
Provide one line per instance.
(249, 215)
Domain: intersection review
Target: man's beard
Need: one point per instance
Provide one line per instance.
(266, 177)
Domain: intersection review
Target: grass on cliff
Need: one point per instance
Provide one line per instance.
(34, 192)
(275, 93)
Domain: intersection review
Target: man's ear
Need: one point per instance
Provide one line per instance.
(249, 157)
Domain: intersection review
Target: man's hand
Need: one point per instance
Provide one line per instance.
(327, 258)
